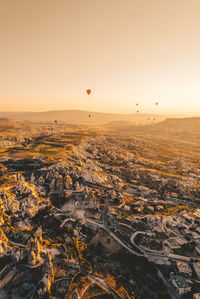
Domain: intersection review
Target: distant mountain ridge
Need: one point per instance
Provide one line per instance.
(80, 116)
(188, 122)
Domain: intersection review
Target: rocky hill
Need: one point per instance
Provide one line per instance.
(181, 123)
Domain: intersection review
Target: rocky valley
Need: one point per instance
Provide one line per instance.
(99, 212)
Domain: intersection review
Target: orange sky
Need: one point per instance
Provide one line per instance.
(126, 51)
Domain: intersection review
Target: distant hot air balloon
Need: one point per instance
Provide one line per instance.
(156, 103)
(137, 104)
(89, 115)
(138, 111)
(88, 91)
(55, 121)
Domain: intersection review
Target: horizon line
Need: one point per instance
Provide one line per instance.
(90, 111)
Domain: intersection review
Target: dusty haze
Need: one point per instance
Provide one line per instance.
(125, 51)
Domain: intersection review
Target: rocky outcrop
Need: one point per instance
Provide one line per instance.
(4, 247)
(33, 251)
(68, 183)
(59, 182)
(77, 186)
(52, 185)
(48, 277)
(38, 233)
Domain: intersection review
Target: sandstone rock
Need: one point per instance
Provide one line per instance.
(45, 286)
(32, 178)
(52, 185)
(59, 182)
(86, 190)
(77, 186)
(113, 194)
(68, 182)
(41, 181)
(32, 260)
(4, 248)
(38, 233)
(48, 266)
(32, 211)
(91, 196)
(34, 250)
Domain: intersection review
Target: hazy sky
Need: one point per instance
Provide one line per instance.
(126, 51)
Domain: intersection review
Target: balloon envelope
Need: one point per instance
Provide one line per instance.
(88, 91)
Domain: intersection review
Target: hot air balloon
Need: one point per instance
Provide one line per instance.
(137, 104)
(156, 103)
(89, 115)
(55, 121)
(88, 91)
(138, 111)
